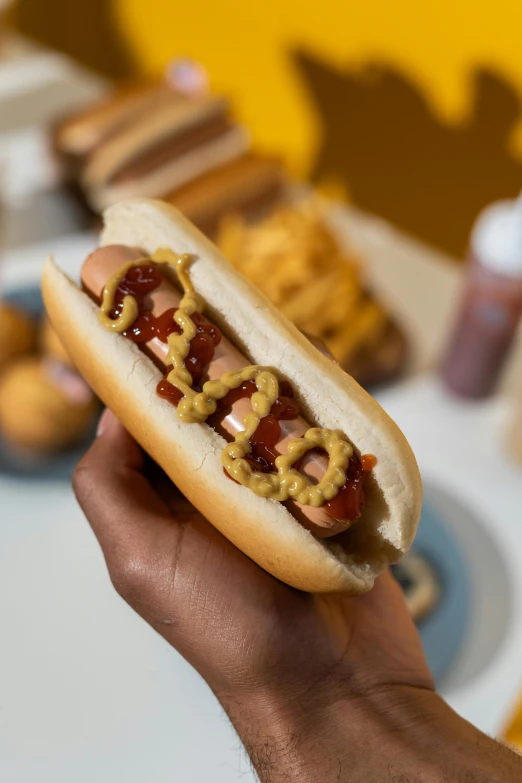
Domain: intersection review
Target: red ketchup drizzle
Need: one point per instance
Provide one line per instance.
(268, 434)
(350, 500)
(202, 349)
(140, 281)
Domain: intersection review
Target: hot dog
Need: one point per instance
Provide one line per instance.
(284, 487)
(106, 262)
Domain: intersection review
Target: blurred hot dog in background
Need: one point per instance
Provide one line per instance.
(182, 144)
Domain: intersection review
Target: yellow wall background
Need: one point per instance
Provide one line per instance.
(246, 46)
(429, 54)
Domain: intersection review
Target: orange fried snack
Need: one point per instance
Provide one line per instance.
(296, 261)
(513, 735)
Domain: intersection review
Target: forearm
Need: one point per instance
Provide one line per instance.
(401, 736)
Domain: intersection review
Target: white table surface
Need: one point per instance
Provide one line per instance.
(89, 692)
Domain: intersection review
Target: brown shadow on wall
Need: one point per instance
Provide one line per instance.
(381, 138)
(84, 29)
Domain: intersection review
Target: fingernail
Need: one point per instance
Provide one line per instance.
(105, 422)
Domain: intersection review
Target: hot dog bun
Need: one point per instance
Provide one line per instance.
(125, 380)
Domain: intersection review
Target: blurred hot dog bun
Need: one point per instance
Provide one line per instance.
(81, 134)
(148, 141)
(125, 380)
(247, 186)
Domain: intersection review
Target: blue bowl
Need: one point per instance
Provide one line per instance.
(444, 630)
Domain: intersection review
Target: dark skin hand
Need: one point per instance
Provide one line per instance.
(311, 682)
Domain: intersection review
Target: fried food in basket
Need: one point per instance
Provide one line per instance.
(17, 334)
(44, 406)
(296, 261)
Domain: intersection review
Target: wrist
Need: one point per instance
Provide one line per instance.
(334, 736)
(396, 732)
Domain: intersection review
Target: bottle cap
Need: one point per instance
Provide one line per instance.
(496, 239)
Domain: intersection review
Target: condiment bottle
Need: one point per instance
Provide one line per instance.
(491, 305)
(514, 437)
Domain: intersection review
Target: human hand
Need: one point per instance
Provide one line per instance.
(319, 687)
(253, 639)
